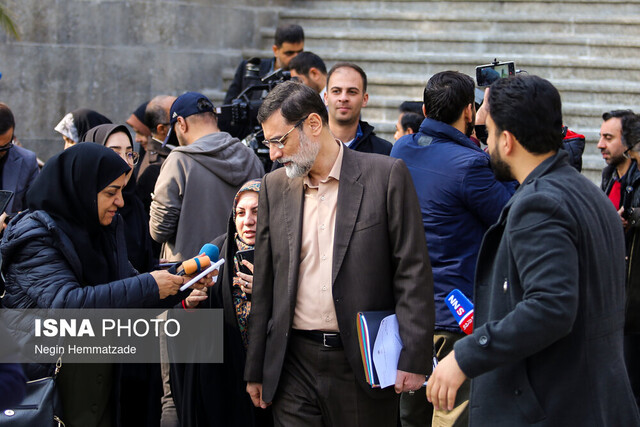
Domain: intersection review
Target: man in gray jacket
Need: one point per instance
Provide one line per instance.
(199, 179)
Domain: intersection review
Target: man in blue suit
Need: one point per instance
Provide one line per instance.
(460, 199)
(18, 166)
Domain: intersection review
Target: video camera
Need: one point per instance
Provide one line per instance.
(240, 117)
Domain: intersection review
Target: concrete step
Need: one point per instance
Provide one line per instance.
(575, 115)
(463, 20)
(215, 95)
(477, 8)
(525, 43)
(427, 63)
(410, 87)
(611, 92)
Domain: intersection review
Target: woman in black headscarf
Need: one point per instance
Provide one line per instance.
(139, 243)
(68, 251)
(75, 124)
(141, 388)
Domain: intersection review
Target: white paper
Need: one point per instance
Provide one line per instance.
(386, 351)
(201, 275)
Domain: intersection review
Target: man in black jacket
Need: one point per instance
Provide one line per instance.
(345, 97)
(630, 216)
(310, 70)
(616, 174)
(289, 41)
(546, 348)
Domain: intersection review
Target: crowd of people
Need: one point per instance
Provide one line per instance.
(479, 195)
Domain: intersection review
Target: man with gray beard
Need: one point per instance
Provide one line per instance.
(339, 232)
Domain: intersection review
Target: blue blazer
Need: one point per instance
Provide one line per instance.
(20, 170)
(459, 198)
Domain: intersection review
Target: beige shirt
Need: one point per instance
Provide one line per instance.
(314, 303)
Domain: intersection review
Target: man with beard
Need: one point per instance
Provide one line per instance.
(546, 349)
(460, 199)
(620, 170)
(339, 232)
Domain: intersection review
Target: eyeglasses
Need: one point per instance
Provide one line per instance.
(280, 141)
(7, 146)
(130, 157)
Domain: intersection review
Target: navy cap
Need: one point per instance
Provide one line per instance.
(186, 105)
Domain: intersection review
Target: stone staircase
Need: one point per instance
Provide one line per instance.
(589, 49)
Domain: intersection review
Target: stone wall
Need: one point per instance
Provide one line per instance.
(112, 55)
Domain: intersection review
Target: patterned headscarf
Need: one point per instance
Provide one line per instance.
(76, 123)
(240, 300)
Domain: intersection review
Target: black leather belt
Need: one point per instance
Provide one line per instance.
(327, 339)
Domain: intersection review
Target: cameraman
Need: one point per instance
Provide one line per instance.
(289, 41)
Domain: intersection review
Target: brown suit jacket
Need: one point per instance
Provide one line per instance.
(380, 262)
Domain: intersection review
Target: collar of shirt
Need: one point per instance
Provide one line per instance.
(334, 173)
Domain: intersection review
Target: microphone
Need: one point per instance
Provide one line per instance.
(462, 310)
(207, 254)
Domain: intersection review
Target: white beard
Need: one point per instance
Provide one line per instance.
(301, 163)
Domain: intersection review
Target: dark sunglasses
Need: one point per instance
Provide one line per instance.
(6, 147)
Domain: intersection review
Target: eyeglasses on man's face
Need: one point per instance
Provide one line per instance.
(279, 142)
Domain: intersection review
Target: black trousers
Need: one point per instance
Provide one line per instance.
(632, 361)
(318, 388)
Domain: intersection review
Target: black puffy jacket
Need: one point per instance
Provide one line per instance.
(42, 270)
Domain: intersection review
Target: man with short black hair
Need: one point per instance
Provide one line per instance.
(407, 124)
(345, 97)
(411, 107)
(18, 166)
(338, 233)
(309, 68)
(630, 215)
(620, 170)
(198, 180)
(156, 117)
(289, 41)
(460, 199)
(137, 122)
(546, 348)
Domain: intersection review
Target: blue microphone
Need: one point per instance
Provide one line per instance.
(208, 254)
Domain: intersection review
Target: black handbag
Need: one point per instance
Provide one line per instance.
(40, 407)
